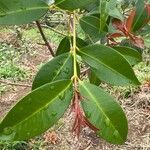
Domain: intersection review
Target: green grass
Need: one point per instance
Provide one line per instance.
(10, 62)
(21, 145)
(12, 71)
(11, 67)
(33, 35)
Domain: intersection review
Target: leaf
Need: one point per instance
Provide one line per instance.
(48, 1)
(103, 14)
(37, 112)
(128, 43)
(118, 24)
(147, 42)
(141, 16)
(92, 6)
(93, 78)
(18, 12)
(65, 45)
(113, 11)
(104, 113)
(73, 4)
(129, 21)
(91, 27)
(60, 67)
(108, 65)
(80, 43)
(148, 10)
(130, 54)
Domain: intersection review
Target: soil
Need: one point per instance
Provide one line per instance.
(60, 137)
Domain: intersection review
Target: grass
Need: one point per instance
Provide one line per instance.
(33, 35)
(21, 145)
(11, 67)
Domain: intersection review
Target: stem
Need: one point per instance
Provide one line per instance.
(44, 38)
(74, 48)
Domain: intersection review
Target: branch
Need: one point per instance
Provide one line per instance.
(44, 38)
(14, 84)
(56, 31)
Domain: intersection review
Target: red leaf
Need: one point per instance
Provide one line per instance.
(118, 24)
(137, 41)
(129, 21)
(115, 35)
(148, 9)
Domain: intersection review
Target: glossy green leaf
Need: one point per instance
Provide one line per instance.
(147, 42)
(60, 67)
(104, 113)
(141, 15)
(73, 4)
(109, 65)
(15, 12)
(80, 42)
(91, 27)
(127, 43)
(103, 14)
(93, 78)
(37, 111)
(92, 6)
(65, 45)
(48, 1)
(131, 55)
(113, 11)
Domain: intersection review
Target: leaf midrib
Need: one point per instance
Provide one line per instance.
(60, 2)
(89, 23)
(59, 70)
(22, 10)
(105, 65)
(100, 108)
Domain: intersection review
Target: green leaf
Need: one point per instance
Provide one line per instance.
(130, 54)
(73, 4)
(141, 16)
(127, 43)
(113, 11)
(37, 112)
(14, 12)
(103, 14)
(109, 65)
(93, 78)
(104, 113)
(48, 1)
(91, 27)
(60, 67)
(80, 43)
(147, 42)
(65, 45)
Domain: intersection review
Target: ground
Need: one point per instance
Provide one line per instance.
(134, 100)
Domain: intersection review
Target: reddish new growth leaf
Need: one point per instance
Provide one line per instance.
(80, 119)
(124, 29)
(148, 11)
